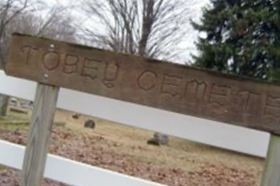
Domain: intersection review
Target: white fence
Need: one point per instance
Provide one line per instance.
(69, 172)
(204, 131)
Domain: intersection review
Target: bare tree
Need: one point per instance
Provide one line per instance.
(150, 28)
(9, 10)
(57, 24)
(18, 16)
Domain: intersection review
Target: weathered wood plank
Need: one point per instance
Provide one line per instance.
(39, 133)
(188, 127)
(271, 176)
(162, 85)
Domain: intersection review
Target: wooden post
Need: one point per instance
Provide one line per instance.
(271, 175)
(4, 102)
(39, 134)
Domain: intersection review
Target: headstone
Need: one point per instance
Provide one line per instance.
(89, 124)
(76, 116)
(14, 102)
(158, 139)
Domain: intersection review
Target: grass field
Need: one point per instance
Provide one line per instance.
(124, 149)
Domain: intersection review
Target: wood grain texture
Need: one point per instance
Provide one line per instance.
(201, 93)
(39, 134)
(271, 176)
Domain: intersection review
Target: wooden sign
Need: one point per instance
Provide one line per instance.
(162, 85)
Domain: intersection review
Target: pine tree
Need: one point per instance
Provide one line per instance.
(242, 37)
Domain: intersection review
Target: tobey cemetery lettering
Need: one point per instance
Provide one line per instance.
(148, 82)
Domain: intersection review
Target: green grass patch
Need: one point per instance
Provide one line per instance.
(13, 127)
(14, 121)
(17, 116)
(13, 124)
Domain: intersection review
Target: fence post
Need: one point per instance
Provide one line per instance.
(39, 134)
(271, 175)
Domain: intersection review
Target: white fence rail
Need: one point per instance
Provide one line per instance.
(74, 173)
(230, 137)
(68, 171)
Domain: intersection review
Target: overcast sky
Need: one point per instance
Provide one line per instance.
(187, 44)
(193, 35)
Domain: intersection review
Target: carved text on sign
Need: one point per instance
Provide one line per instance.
(171, 85)
(111, 73)
(70, 64)
(148, 82)
(272, 109)
(51, 60)
(91, 68)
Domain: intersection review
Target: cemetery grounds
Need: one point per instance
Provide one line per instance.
(124, 149)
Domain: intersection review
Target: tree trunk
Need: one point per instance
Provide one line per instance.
(4, 101)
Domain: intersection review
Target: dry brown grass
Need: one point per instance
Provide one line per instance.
(179, 154)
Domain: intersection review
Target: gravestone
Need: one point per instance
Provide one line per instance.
(89, 124)
(76, 116)
(158, 139)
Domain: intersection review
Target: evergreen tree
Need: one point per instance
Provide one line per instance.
(242, 37)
